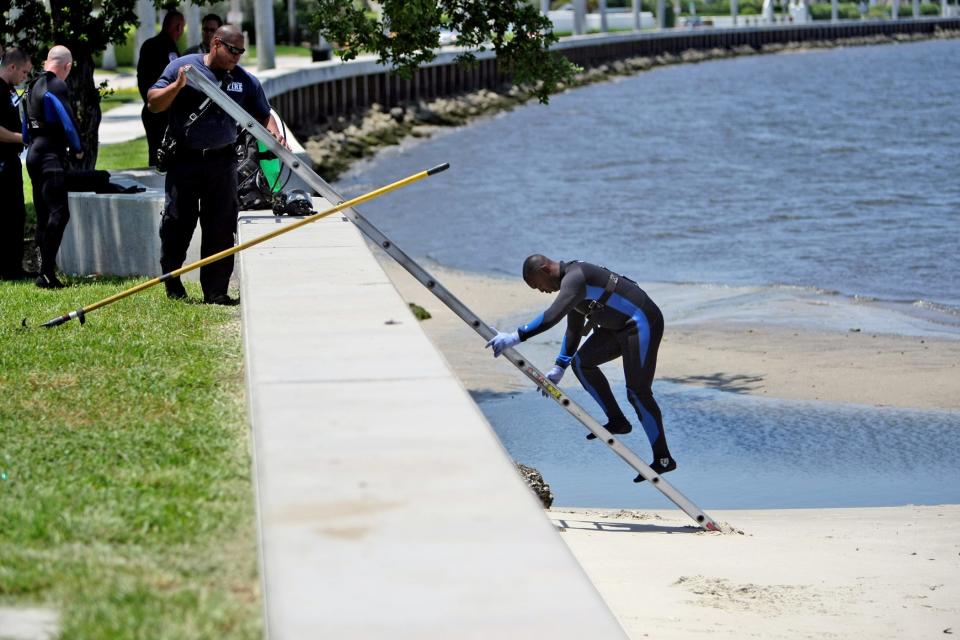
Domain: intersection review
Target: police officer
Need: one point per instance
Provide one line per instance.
(209, 25)
(626, 324)
(155, 54)
(52, 135)
(14, 69)
(201, 182)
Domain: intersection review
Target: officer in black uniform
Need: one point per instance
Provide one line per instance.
(155, 54)
(52, 135)
(208, 26)
(626, 323)
(202, 180)
(14, 69)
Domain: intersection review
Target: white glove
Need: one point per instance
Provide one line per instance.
(503, 341)
(553, 376)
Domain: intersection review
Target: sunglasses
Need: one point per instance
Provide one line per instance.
(237, 51)
(206, 30)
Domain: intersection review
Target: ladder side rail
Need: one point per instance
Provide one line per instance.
(448, 298)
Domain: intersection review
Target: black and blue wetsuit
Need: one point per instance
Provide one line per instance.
(629, 325)
(49, 128)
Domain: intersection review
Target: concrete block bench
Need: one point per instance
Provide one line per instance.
(117, 234)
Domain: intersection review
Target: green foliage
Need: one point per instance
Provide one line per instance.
(124, 51)
(881, 11)
(722, 7)
(845, 11)
(906, 9)
(125, 490)
(419, 312)
(407, 35)
(30, 29)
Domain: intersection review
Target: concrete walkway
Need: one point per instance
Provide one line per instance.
(387, 506)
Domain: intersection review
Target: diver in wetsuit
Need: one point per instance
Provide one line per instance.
(50, 130)
(626, 323)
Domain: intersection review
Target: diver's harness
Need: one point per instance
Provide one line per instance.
(35, 126)
(600, 303)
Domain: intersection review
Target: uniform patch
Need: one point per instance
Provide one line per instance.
(235, 87)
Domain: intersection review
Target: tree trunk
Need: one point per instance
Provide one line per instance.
(86, 99)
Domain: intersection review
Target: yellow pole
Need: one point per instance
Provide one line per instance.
(376, 193)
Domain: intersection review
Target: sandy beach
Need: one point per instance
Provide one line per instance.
(803, 573)
(817, 573)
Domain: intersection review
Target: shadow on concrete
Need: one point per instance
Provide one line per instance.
(734, 383)
(621, 527)
(486, 395)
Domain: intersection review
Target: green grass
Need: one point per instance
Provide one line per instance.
(125, 491)
(28, 199)
(123, 155)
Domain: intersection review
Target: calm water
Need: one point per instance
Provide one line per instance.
(829, 169)
(740, 451)
(765, 181)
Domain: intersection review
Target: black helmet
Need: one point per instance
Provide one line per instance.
(295, 202)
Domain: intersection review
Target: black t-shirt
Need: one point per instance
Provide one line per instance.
(214, 128)
(155, 54)
(9, 120)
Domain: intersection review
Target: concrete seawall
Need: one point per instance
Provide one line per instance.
(387, 506)
(325, 91)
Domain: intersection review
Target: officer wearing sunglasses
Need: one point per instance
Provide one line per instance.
(201, 182)
(209, 25)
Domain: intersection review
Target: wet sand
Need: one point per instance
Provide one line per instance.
(825, 355)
